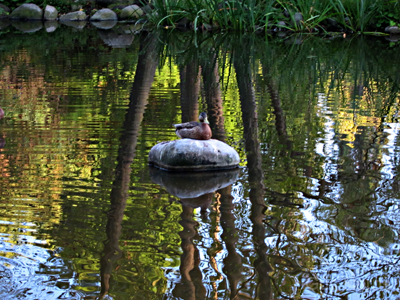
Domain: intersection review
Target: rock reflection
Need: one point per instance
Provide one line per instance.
(192, 185)
(28, 26)
(115, 40)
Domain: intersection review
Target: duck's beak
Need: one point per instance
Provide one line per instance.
(206, 121)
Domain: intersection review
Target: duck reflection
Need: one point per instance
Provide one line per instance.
(197, 190)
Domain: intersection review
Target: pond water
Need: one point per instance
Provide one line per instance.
(312, 212)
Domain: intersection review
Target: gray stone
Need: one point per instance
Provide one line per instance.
(392, 30)
(27, 27)
(193, 155)
(76, 7)
(193, 184)
(27, 11)
(4, 11)
(74, 16)
(104, 14)
(105, 24)
(131, 12)
(50, 13)
(51, 25)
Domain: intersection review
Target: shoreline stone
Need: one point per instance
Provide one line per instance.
(392, 30)
(104, 14)
(193, 155)
(74, 16)
(131, 12)
(27, 11)
(50, 13)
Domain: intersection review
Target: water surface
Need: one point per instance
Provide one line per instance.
(312, 213)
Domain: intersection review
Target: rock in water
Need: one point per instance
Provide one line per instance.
(193, 155)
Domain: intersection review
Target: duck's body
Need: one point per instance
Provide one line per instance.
(194, 130)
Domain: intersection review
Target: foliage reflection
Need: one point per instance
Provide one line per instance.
(310, 214)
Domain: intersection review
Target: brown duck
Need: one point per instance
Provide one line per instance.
(194, 130)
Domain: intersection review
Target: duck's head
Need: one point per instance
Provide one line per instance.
(203, 118)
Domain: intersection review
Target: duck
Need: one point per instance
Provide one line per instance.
(194, 130)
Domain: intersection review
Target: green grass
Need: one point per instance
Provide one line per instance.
(251, 15)
(256, 15)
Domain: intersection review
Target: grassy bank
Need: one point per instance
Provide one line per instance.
(297, 15)
(258, 15)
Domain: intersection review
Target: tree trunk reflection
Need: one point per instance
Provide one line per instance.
(254, 162)
(190, 88)
(145, 71)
